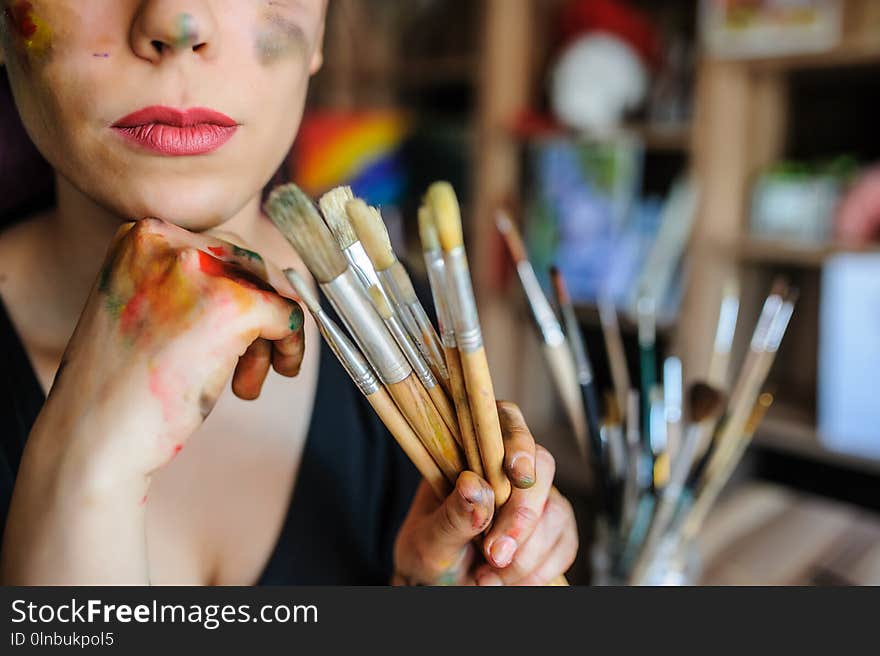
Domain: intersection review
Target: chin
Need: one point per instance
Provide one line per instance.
(193, 205)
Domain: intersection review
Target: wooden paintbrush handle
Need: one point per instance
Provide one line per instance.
(413, 401)
(447, 412)
(564, 375)
(481, 396)
(409, 442)
(465, 421)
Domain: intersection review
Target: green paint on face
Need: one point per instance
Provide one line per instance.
(296, 318)
(186, 30)
(279, 39)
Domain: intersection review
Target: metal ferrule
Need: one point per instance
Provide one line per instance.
(765, 322)
(436, 268)
(464, 305)
(543, 313)
(389, 284)
(360, 262)
(409, 350)
(726, 324)
(348, 355)
(779, 326)
(432, 341)
(351, 302)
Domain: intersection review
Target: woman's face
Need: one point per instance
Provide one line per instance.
(223, 83)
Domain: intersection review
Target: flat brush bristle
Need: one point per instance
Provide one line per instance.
(295, 216)
(333, 208)
(303, 291)
(447, 215)
(428, 230)
(559, 286)
(511, 237)
(371, 231)
(705, 402)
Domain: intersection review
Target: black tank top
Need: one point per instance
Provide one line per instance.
(352, 490)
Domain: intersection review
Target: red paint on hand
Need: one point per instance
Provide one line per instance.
(217, 251)
(20, 17)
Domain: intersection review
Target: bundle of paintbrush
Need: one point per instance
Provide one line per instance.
(433, 392)
(700, 459)
(656, 477)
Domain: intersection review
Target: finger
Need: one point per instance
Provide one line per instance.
(251, 370)
(556, 519)
(518, 517)
(441, 538)
(519, 445)
(287, 353)
(556, 563)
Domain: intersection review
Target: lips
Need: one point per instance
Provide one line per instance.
(175, 132)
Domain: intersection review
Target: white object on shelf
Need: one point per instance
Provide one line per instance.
(849, 355)
(596, 81)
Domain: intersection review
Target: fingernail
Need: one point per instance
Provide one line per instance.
(296, 318)
(522, 468)
(502, 551)
(489, 579)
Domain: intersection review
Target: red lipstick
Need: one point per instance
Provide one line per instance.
(176, 132)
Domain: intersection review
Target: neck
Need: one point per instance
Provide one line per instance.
(78, 234)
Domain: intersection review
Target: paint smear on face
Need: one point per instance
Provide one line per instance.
(187, 32)
(31, 30)
(280, 38)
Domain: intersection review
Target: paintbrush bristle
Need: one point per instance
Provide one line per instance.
(511, 237)
(705, 402)
(294, 214)
(332, 206)
(370, 229)
(380, 302)
(447, 215)
(404, 284)
(428, 230)
(303, 291)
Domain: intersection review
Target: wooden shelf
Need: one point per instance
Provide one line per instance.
(791, 429)
(654, 136)
(842, 56)
(791, 253)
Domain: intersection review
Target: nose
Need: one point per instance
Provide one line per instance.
(166, 28)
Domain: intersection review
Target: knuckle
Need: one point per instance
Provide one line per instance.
(545, 459)
(524, 515)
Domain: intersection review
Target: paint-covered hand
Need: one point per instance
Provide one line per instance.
(532, 541)
(172, 316)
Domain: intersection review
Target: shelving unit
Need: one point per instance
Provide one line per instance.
(744, 118)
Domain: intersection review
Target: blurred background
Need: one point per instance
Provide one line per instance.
(689, 150)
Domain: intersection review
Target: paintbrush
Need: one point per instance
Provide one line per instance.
(734, 435)
(367, 382)
(616, 353)
(556, 353)
(436, 268)
(672, 394)
(706, 404)
(332, 206)
(632, 481)
(301, 224)
(478, 381)
(370, 229)
(647, 325)
(582, 366)
(714, 484)
(719, 363)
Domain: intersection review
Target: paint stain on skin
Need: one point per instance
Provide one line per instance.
(187, 32)
(144, 500)
(178, 448)
(102, 55)
(296, 318)
(31, 30)
(280, 38)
